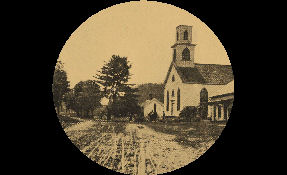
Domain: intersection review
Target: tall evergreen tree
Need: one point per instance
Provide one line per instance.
(114, 77)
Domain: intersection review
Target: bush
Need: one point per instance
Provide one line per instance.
(196, 119)
(188, 113)
(103, 113)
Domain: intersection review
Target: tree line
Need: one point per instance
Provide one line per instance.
(110, 82)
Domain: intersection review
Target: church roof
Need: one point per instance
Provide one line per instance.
(188, 75)
(213, 74)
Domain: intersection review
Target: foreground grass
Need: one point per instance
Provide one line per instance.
(189, 134)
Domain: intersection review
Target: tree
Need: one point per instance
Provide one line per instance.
(130, 99)
(114, 77)
(125, 105)
(85, 97)
(70, 101)
(60, 85)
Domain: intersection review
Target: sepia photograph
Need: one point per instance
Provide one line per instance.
(143, 88)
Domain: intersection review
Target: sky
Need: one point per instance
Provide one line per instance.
(141, 31)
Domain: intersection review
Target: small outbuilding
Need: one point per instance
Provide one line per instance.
(153, 105)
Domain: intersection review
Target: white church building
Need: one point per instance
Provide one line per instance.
(190, 84)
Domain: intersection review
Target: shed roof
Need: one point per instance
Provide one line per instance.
(149, 101)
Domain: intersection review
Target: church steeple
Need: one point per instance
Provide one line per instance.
(183, 54)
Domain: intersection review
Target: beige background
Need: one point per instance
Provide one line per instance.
(142, 31)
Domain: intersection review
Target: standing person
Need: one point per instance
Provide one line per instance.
(163, 115)
(150, 115)
(155, 117)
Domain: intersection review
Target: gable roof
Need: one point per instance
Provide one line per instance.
(213, 74)
(149, 101)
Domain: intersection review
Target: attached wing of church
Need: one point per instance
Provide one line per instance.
(191, 84)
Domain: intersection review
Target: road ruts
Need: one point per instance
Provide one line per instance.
(137, 150)
(131, 151)
(146, 163)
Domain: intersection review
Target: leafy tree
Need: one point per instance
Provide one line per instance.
(126, 105)
(85, 97)
(70, 101)
(114, 77)
(60, 85)
(130, 99)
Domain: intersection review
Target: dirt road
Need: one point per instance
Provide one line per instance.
(137, 150)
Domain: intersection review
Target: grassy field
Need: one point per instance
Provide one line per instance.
(190, 134)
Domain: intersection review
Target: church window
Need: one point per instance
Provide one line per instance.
(174, 54)
(172, 93)
(167, 101)
(185, 35)
(186, 54)
(172, 79)
(178, 99)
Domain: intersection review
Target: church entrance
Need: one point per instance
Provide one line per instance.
(172, 106)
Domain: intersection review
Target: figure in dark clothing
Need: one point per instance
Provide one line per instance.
(152, 115)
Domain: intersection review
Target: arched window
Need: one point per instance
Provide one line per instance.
(172, 79)
(174, 54)
(167, 101)
(185, 35)
(178, 99)
(177, 36)
(186, 54)
(203, 103)
(172, 93)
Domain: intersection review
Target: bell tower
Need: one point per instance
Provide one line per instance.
(183, 49)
